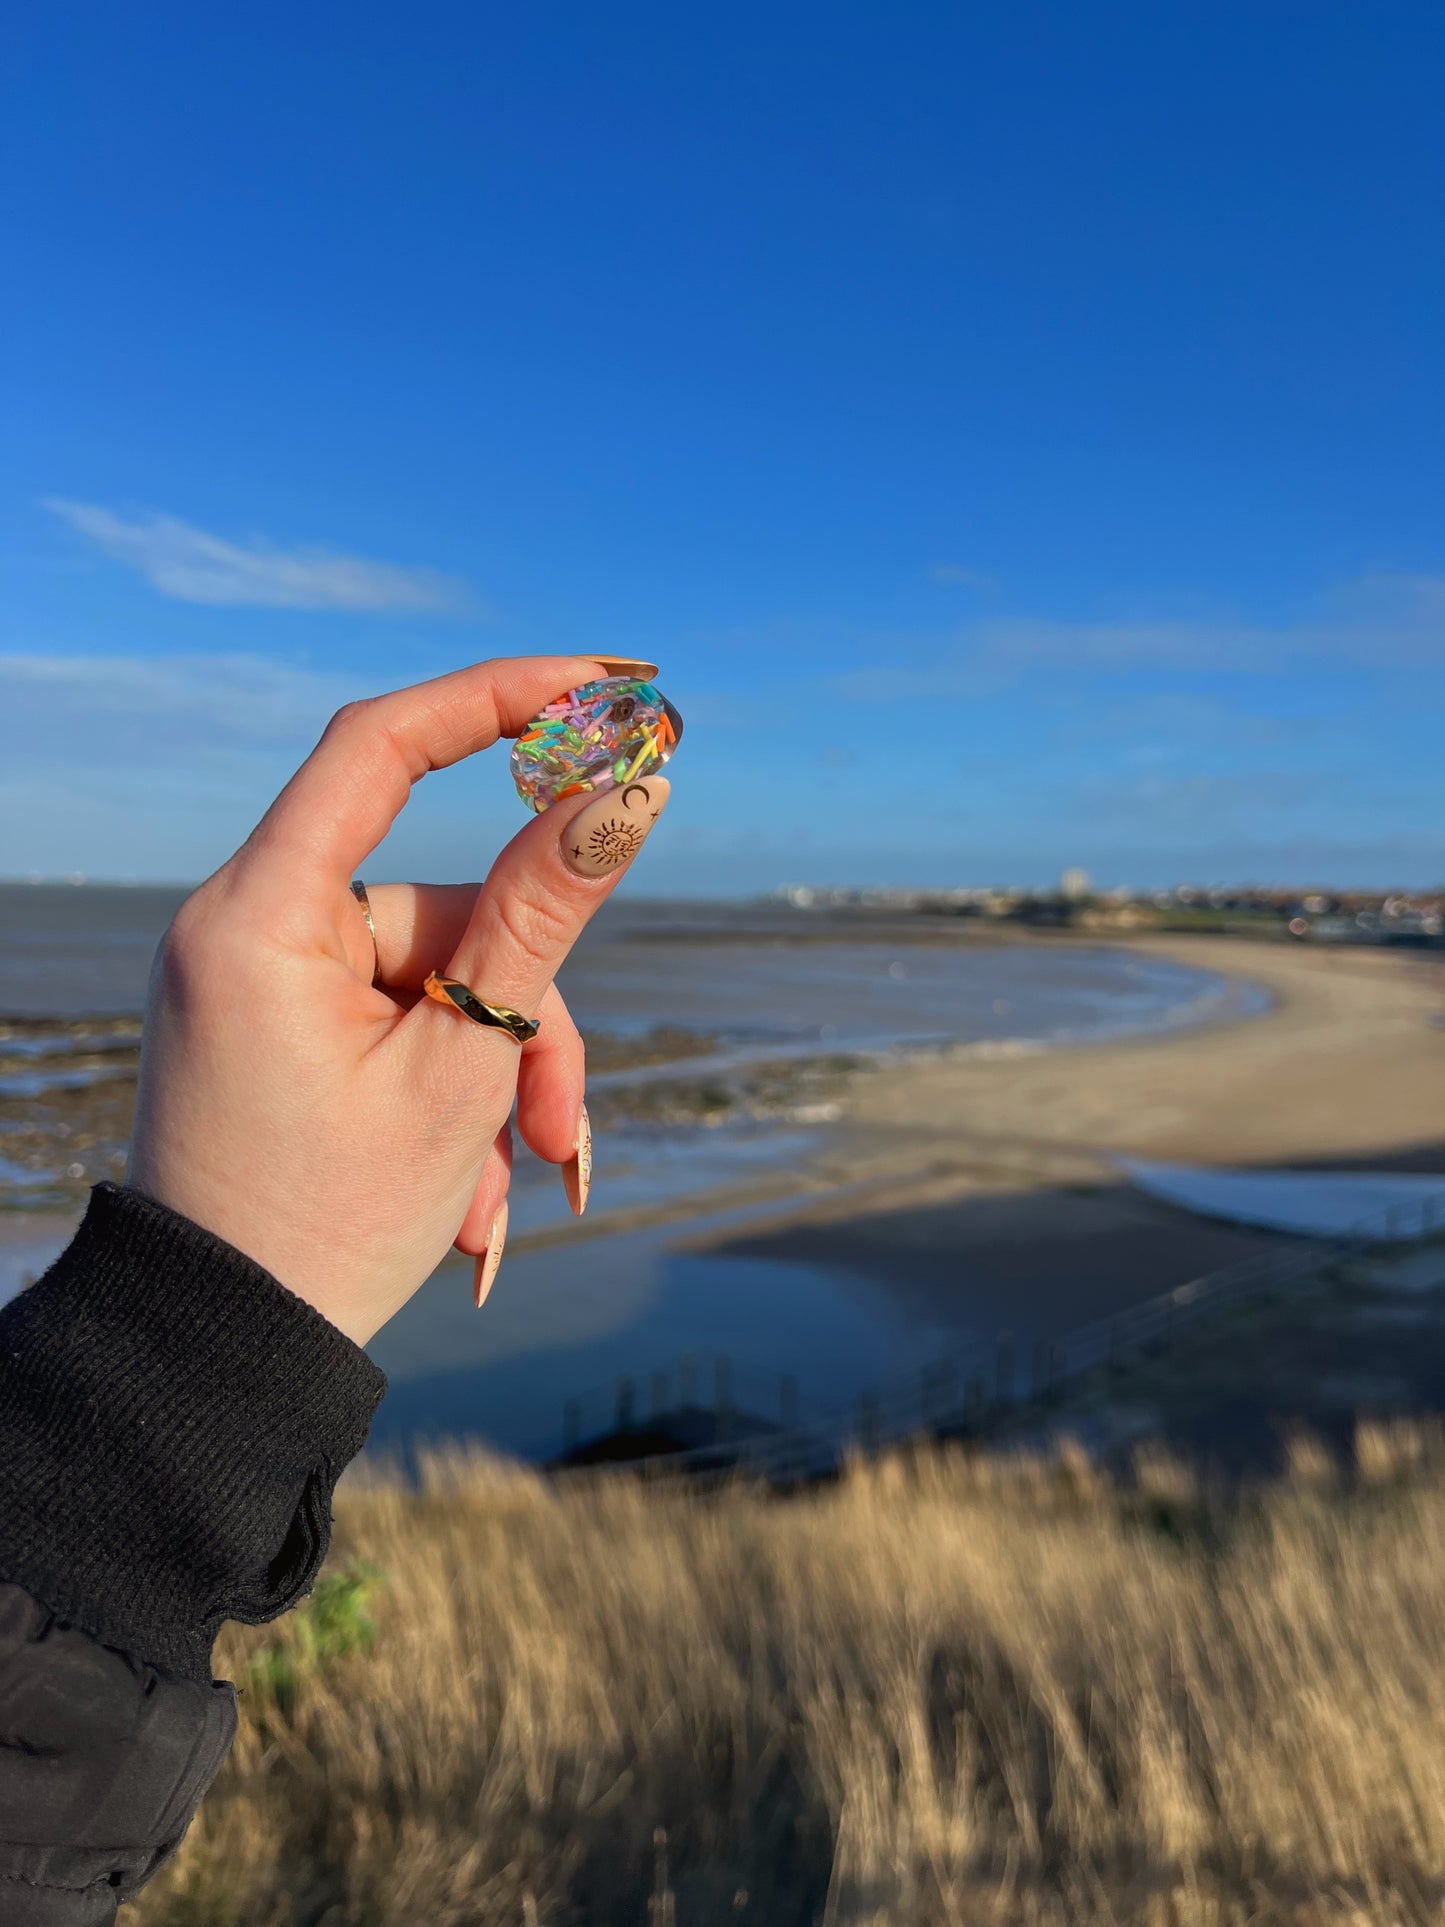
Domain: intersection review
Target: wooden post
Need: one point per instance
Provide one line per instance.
(722, 1395)
(662, 1907)
(947, 1382)
(788, 1402)
(1041, 1369)
(1004, 1368)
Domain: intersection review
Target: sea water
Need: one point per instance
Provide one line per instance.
(756, 983)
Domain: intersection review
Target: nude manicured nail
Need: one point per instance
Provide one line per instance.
(610, 831)
(577, 1171)
(627, 666)
(490, 1261)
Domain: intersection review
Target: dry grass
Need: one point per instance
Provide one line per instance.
(939, 1692)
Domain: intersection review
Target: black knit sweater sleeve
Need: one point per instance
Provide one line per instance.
(172, 1425)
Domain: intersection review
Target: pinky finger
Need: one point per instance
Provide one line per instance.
(550, 1083)
(551, 1114)
(484, 1272)
(483, 1231)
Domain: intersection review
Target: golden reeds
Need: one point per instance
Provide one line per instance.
(945, 1690)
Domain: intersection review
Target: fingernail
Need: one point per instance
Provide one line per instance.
(610, 831)
(490, 1261)
(577, 1171)
(626, 666)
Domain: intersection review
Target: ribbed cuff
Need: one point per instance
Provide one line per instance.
(172, 1425)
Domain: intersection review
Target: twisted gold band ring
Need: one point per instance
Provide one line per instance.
(447, 990)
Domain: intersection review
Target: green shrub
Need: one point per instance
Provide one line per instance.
(332, 1622)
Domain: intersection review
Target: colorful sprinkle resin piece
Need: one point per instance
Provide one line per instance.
(593, 738)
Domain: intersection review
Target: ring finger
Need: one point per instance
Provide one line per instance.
(543, 889)
(414, 924)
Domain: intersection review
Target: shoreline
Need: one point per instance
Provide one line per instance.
(1345, 1064)
(67, 1082)
(998, 1185)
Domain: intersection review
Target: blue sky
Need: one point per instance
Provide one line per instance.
(1016, 430)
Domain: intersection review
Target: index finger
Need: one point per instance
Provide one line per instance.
(351, 788)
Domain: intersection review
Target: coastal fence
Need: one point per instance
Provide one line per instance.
(976, 1388)
(691, 1386)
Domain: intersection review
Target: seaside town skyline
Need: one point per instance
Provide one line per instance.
(1361, 915)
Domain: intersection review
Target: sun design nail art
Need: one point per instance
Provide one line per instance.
(604, 837)
(614, 842)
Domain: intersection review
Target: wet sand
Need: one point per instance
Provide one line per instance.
(994, 1181)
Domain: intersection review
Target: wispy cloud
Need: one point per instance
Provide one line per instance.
(148, 766)
(131, 766)
(954, 575)
(160, 710)
(191, 565)
(1379, 623)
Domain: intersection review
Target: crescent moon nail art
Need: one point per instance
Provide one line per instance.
(612, 829)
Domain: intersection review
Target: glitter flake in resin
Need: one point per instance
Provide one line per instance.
(593, 738)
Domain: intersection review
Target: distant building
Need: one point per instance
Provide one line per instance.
(1074, 885)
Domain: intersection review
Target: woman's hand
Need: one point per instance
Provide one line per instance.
(342, 1135)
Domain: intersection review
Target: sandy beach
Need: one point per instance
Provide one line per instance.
(994, 1180)
(1345, 1067)
(1348, 1065)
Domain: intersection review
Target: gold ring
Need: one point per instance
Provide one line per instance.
(446, 990)
(358, 890)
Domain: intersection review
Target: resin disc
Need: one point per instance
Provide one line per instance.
(593, 738)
